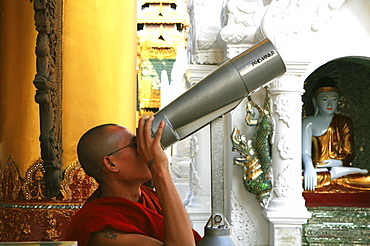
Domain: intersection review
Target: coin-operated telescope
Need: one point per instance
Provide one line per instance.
(215, 95)
(220, 92)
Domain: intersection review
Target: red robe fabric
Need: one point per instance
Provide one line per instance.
(122, 215)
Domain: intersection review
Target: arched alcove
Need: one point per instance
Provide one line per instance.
(352, 75)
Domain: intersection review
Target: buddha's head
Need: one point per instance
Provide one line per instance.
(325, 100)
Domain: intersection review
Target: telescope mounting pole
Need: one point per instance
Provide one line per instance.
(217, 231)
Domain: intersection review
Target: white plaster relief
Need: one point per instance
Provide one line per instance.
(183, 170)
(288, 236)
(234, 50)
(292, 24)
(278, 83)
(244, 231)
(325, 12)
(281, 186)
(195, 181)
(282, 108)
(284, 145)
(241, 21)
(285, 20)
(207, 37)
(204, 46)
(289, 82)
(208, 57)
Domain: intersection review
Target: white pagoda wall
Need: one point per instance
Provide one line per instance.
(343, 30)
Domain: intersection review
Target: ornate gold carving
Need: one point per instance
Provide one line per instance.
(35, 220)
(77, 185)
(10, 180)
(51, 230)
(34, 184)
(151, 51)
(14, 226)
(32, 218)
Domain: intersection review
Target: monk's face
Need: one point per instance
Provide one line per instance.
(132, 167)
(327, 102)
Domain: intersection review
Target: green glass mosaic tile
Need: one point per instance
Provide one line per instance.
(337, 226)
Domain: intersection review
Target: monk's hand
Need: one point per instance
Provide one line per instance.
(149, 147)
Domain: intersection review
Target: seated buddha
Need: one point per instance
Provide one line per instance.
(328, 145)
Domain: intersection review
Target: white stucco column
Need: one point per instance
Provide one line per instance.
(199, 206)
(286, 209)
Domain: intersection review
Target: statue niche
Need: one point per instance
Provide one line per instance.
(328, 142)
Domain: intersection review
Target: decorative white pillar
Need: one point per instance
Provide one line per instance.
(199, 206)
(199, 203)
(286, 209)
(179, 153)
(203, 49)
(292, 27)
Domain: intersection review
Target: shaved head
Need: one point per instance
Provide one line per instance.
(97, 143)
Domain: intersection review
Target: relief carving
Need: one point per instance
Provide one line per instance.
(284, 146)
(244, 231)
(34, 185)
(27, 215)
(10, 180)
(281, 107)
(241, 21)
(292, 24)
(48, 83)
(204, 46)
(77, 185)
(281, 186)
(27, 221)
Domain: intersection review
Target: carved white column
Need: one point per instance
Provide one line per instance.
(286, 209)
(181, 158)
(292, 26)
(179, 153)
(204, 48)
(199, 204)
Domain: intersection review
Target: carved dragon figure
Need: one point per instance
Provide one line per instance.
(255, 155)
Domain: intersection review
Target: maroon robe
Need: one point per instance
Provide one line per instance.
(143, 217)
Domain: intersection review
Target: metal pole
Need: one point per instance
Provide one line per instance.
(217, 231)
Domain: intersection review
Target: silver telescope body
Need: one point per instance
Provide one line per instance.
(219, 92)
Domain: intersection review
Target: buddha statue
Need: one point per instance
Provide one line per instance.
(328, 145)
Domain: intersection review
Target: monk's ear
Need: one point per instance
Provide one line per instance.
(107, 162)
